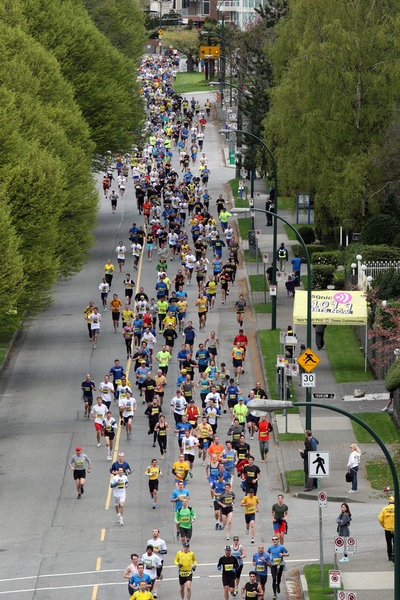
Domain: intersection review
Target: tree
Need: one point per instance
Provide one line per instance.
(11, 273)
(335, 68)
(122, 22)
(104, 79)
(185, 41)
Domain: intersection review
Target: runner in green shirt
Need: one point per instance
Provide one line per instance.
(163, 358)
(185, 516)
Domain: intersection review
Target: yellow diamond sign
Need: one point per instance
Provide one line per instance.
(160, 32)
(308, 360)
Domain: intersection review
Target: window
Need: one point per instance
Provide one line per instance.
(206, 7)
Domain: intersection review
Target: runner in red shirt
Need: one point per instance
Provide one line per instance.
(146, 211)
(241, 341)
(264, 429)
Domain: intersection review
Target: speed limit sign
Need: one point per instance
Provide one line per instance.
(308, 380)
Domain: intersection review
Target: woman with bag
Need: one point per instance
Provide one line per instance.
(352, 466)
(343, 522)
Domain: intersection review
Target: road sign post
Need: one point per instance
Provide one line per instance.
(322, 500)
(308, 360)
(308, 380)
(335, 579)
(351, 545)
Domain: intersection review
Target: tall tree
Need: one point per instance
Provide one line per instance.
(185, 41)
(337, 76)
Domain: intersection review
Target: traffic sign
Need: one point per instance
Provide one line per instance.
(265, 258)
(252, 213)
(241, 183)
(160, 32)
(322, 500)
(308, 380)
(294, 370)
(272, 290)
(290, 340)
(339, 543)
(278, 276)
(351, 545)
(279, 360)
(258, 194)
(342, 595)
(328, 396)
(258, 233)
(335, 579)
(351, 596)
(209, 51)
(251, 202)
(308, 360)
(318, 464)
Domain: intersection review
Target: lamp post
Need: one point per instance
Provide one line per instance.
(223, 43)
(275, 236)
(271, 405)
(273, 326)
(230, 54)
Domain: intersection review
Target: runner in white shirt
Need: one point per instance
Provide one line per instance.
(141, 306)
(136, 250)
(119, 483)
(104, 289)
(122, 390)
(129, 406)
(190, 261)
(106, 388)
(98, 413)
(228, 235)
(121, 251)
(151, 563)
(150, 340)
(95, 319)
(172, 239)
(215, 396)
(189, 443)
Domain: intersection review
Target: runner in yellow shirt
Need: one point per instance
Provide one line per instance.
(180, 469)
(153, 472)
(87, 312)
(142, 594)
(237, 360)
(185, 560)
(251, 504)
(109, 272)
(201, 304)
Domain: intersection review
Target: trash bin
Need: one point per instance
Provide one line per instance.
(232, 157)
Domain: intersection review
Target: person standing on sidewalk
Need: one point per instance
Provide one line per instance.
(282, 255)
(386, 519)
(343, 528)
(352, 466)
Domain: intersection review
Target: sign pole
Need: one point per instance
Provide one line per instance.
(265, 285)
(257, 255)
(321, 543)
(335, 567)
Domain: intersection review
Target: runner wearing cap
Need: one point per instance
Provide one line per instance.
(229, 565)
(77, 466)
(240, 553)
(185, 560)
(119, 483)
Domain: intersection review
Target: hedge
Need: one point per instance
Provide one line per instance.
(322, 276)
(310, 247)
(325, 258)
(392, 381)
(380, 229)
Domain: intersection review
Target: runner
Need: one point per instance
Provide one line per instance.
(180, 469)
(229, 565)
(201, 303)
(88, 387)
(186, 562)
(94, 319)
(120, 463)
(253, 474)
(240, 553)
(109, 272)
(240, 306)
(119, 483)
(161, 429)
(120, 251)
(252, 588)
(77, 466)
(129, 284)
(151, 562)
(159, 548)
(189, 443)
(176, 498)
(153, 472)
(131, 569)
(88, 311)
(113, 200)
(104, 288)
(129, 406)
(204, 432)
(260, 564)
(106, 389)
(277, 552)
(140, 582)
(264, 429)
(98, 413)
(237, 360)
(184, 518)
(153, 410)
(115, 307)
(109, 426)
(251, 504)
(279, 514)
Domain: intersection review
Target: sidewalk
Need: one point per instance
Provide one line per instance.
(334, 432)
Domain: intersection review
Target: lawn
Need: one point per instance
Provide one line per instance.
(234, 183)
(291, 437)
(295, 478)
(381, 423)
(313, 575)
(257, 286)
(270, 348)
(3, 350)
(379, 474)
(285, 203)
(345, 356)
(5, 339)
(263, 308)
(249, 258)
(191, 82)
(244, 226)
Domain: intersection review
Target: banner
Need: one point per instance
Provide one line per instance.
(331, 307)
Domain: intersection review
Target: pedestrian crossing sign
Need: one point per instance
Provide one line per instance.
(308, 360)
(160, 32)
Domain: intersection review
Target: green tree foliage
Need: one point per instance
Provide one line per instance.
(380, 229)
(104, 79)
(337, 86)
(185, 41)
(307, 233)
(392, 381)
(45, 165)
(11, 273)
(122, 22)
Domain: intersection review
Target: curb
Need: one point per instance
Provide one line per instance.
(304, 586)
(311, 496)
(9, 350)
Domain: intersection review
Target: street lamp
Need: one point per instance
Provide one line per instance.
(271, 405)
(307, 256)
(275, 236)
(223, 42)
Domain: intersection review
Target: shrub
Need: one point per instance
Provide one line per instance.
(310, 247)
(383, 318)
(382, 252)
(388, 284)
(339, 283)
(396, 241)
(322, 276)
(392, 381)
(307, 233)
(380, 229)
(325, 258)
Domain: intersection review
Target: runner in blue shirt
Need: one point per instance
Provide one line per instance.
(260, 564)
(276, 553)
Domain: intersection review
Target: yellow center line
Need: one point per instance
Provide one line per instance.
(98, 564)
(128, 367)
(103, 535)
(94, 593)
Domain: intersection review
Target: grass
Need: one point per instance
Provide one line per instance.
(344, 354)
(313, 575)
(244, 226)
(262, 308)
(257, 286)
(270, 348)
(191, 82)
(291, 437)
(5, 339)
(304, 281)
(379, 474)
(249, 258)
(285, 203)
(295, 478)
(381, 423)
(234, 183)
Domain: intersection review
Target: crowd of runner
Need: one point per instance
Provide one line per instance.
(176, 229)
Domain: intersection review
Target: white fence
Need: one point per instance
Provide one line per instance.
(367, 271)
